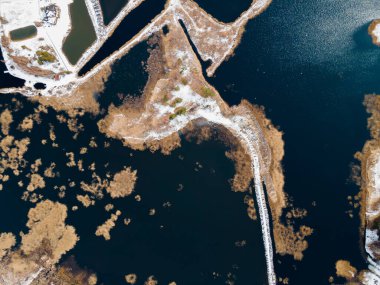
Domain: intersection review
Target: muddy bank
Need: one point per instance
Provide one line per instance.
(82, 97)
(177, 92)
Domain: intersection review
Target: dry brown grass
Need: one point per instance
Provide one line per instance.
(122, 184)
(47, 224)
(371, 28)
(345, 269)
(6, 120)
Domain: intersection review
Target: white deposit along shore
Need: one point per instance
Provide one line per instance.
(16, 14)
(374, 31)
(372, 277)
(217, 49)
(240, 127)
(175, 9)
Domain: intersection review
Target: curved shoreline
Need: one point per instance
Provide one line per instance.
(242, 130)
(199, 100)
(174, 10)
(154, 123)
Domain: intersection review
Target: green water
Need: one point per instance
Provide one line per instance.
(82, 34)
(23, 33)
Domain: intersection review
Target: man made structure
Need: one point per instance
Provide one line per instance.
(20, 60)
(214, 41)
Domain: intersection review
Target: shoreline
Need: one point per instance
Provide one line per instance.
(192, 99)
(369, 159)
(174, 9)
(374, 31)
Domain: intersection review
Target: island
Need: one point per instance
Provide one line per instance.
(177, 98)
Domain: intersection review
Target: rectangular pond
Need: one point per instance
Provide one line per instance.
(23, 33)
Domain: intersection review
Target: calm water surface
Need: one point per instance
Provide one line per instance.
(111, 8)
(310, 63)
(82, 34)
(224, 10)
(129, 27)
(7, 80)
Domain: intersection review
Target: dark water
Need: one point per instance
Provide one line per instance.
(225, 10)
(128, 77)
(128, 28)
(194, 237)
(23, 33)
(7, 80)
(185, 242)
(111, 8)
(310, 63)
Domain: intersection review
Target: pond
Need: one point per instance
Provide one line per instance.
(82, 34)
(23, 33)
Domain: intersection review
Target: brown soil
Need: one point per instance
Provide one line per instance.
(24, 64)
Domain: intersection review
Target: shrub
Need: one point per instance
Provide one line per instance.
(178, 112)
(165, 99)
(207, 92)
(45, 56)
(184, 81)
(175, 102)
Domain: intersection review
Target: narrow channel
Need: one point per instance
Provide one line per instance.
(130, 26)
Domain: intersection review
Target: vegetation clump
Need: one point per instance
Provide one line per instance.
(175, 102)
(45, 56)
(178, 112)
(123, 183)
(165, 99)
(184, 81)
(207, 92)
